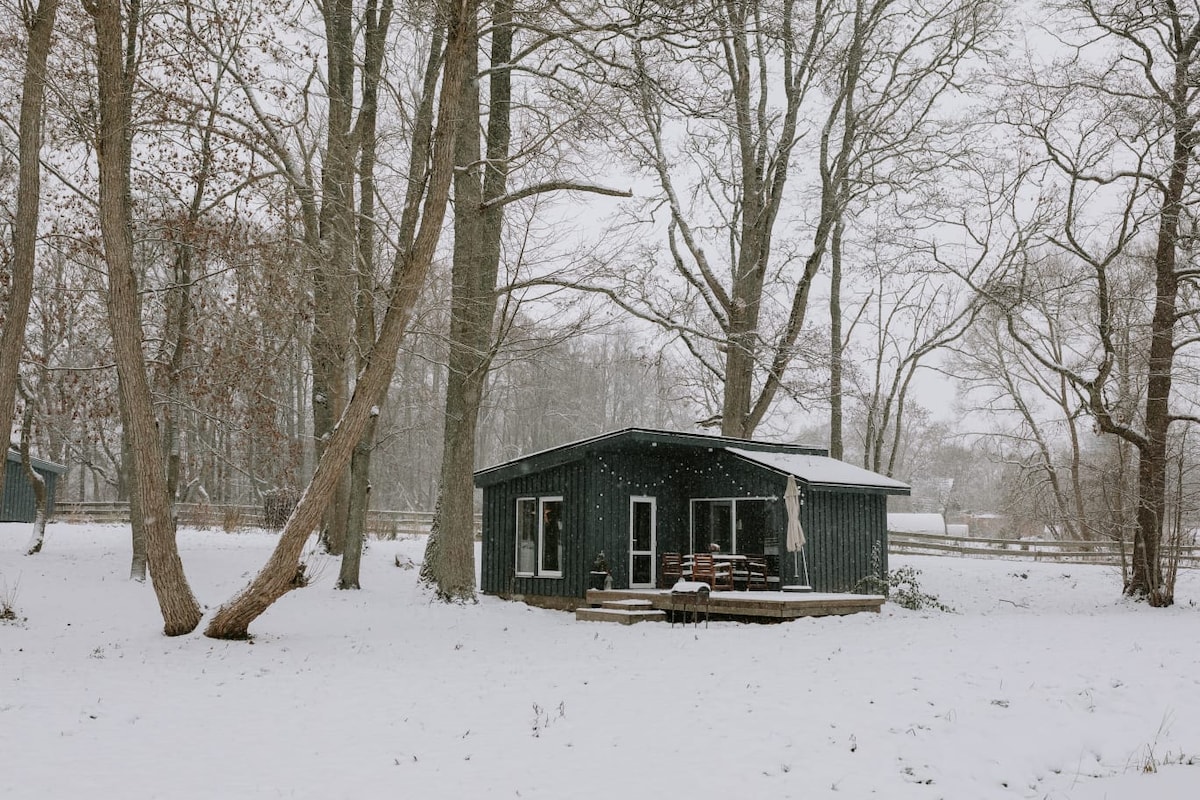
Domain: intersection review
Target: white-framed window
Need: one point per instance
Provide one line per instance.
(734, 524)
(550, 539)
(540, 537)
(527, 536)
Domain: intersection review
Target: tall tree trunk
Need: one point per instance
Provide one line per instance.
(283, 570)
(375, 38)
(116, 58)
(1147, 577)
(39, 24)
(333, 277)
(449, 565)
(836, 447)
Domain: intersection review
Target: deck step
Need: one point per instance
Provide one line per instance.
(621, 615)
(628, 605)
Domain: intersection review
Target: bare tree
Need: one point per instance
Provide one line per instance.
(894, 127)
(1117, 125)
(482, 198)
(742, 147)
(116, 62)
(735, 105)
(911, 317)
(375, 27)
(39, 26)
(283, 571)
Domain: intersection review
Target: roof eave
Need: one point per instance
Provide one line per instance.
(573, 451)
(893, 488)
(37, 463)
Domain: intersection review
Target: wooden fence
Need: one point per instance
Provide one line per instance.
(1103, 552)
(380, 524)
(395, 524)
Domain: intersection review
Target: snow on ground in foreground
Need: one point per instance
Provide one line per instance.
(1044, 684)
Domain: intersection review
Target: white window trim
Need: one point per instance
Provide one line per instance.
(733, 515)
(517, 547)
(653, 551)
(541, 573)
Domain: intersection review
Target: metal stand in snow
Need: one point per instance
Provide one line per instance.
(799, 557)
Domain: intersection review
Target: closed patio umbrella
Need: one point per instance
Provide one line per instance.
(795, 533)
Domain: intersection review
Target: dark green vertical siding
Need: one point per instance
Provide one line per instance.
(19, 504)
(498, 570)
(843, 530)
(842, 526)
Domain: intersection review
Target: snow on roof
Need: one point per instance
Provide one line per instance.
(822, 470)
(916, 523)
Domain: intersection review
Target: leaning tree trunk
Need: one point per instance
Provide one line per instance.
(40, 25)
(283, 571)
(115, 70)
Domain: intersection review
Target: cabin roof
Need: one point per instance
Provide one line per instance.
(820, 470)
(809, 464)
(38, 463)
(626, 439)
(907, 522)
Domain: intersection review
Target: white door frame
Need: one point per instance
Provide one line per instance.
(653, 551)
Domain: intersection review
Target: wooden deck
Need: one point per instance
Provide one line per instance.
(766, 606)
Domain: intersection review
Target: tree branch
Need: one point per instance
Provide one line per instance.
(553, 186)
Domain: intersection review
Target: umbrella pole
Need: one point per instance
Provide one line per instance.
(802, 555)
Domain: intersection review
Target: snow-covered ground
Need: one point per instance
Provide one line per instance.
(1044, 684)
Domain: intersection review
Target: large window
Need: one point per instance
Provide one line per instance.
(540, 537)
(738, 525)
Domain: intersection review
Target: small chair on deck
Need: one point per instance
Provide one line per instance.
(723, 574)
(706, 570)
(703, 568)
(671, 570)
(756, 573)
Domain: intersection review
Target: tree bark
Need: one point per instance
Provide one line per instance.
(1151, 78)
(283, 570)
(39, 24)
(116, 50)
(38, 536)
(127, 491)
(333, 309)
(375, 28)
(1146, 579)
(836, 379)
(449, 565)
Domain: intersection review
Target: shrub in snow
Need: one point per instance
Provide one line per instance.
(904, 589)
(8, 603)
(902, 586)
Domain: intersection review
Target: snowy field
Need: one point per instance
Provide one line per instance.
(1043, 684)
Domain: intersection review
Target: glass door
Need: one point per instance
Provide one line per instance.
(643, 513)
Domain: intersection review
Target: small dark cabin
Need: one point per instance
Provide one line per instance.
(19, 505)
(635, 494)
